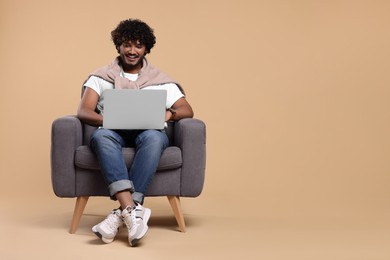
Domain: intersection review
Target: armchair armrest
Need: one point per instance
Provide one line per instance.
(190, 136)
(66, 136)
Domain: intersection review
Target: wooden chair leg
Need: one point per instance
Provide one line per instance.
(81, 202)
(176, 207)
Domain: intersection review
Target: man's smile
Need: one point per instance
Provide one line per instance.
(132, 57)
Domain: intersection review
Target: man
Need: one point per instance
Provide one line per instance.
(133, 40)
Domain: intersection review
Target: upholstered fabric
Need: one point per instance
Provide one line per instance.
(170, 159)
(75, 169)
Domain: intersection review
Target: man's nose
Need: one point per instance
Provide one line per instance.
(132, 50)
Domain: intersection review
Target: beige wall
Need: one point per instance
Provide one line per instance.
(294, 93)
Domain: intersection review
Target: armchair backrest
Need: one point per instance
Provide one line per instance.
(87, 132)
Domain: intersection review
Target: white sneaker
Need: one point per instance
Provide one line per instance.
(136, 220)
(108, 228)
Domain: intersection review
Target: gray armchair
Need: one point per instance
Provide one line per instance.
(75, 169)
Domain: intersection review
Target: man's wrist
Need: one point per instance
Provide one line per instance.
(173, 113)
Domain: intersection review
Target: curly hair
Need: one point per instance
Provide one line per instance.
(133, 30)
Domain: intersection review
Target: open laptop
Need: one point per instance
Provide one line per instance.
(134, 109)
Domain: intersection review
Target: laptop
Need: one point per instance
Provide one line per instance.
(133, 109)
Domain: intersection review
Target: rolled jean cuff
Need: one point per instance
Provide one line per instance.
(138, 197)
(118, 186)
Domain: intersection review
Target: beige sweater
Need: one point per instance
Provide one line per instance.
(148, 76)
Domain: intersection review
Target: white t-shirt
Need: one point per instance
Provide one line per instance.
(100, 85)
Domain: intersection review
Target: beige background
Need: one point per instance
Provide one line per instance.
(295, 98)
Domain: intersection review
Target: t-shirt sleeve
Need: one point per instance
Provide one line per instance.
(94, 83)
(173, 94)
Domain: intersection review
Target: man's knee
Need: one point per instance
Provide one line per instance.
(102, 135)
(152, 137)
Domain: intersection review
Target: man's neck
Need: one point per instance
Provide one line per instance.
(132, 69)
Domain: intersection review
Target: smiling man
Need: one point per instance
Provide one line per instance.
(132, 55)
(133, 40)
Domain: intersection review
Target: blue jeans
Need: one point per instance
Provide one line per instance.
(149, 145)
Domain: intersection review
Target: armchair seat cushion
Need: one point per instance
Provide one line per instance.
(170, 159)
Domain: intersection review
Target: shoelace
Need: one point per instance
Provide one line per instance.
(113, 221)
(133, 218)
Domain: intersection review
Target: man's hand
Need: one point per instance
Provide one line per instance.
(168, 115)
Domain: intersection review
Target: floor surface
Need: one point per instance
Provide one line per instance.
(39, 230)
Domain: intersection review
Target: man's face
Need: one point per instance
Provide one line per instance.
(132, 54)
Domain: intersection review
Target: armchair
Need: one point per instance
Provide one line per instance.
(75, 169)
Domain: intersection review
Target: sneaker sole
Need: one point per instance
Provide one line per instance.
(105, 240)
(147, 214)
